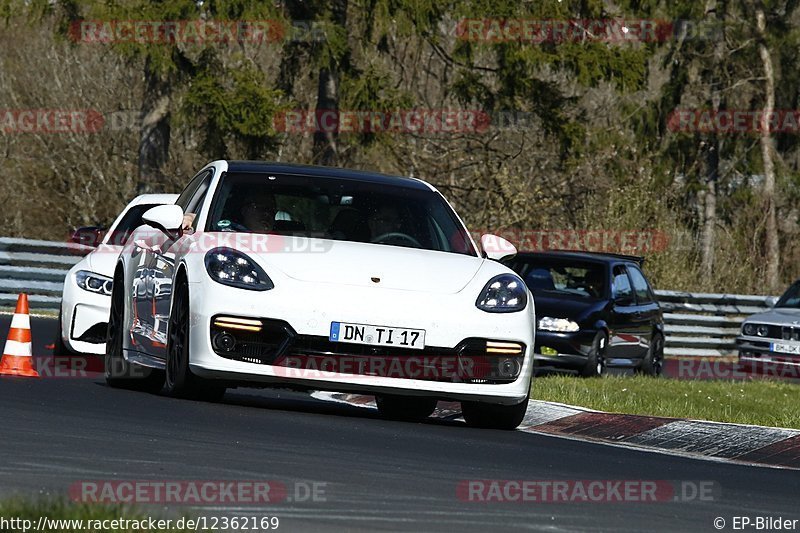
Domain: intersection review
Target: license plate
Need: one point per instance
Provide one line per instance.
(785, 348)
(377, 335)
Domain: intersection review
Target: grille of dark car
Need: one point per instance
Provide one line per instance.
(789, 333)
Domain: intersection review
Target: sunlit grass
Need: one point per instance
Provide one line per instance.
(759, 402)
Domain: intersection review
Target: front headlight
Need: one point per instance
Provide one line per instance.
(93, 282)
(230, 267)
(749, 329)
(562, 325)
(505, 293)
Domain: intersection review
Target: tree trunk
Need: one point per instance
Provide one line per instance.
(708, 237)
(711, 149)
(326, 149)
(154, 131)
(772, 250)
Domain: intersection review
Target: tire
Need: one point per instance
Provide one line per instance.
(596, 361)
(492, 416)
(407, 408)
(59, 348)
(118, 372)
(653, 362)
(180, 382)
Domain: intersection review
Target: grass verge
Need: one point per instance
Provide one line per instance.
(64, 516)
(759, 402)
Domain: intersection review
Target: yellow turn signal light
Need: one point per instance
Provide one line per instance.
(506, 348)
(246, 324)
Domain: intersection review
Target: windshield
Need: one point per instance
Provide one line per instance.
(337, 209)
(557, 277)
(790, 298)
(131, 220)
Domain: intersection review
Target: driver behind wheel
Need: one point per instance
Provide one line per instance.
(387, 219)
(257, 213)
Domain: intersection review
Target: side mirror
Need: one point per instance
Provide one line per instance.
(88, 236)
(167, 218)
(497, 248)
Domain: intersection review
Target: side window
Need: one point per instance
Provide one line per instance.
(188, 192)
(640, 286)
(622, 286)
(191, 199)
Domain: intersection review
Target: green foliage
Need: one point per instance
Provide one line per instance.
(234, 109)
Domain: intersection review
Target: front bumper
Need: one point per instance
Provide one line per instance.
(754, 351)
(444, 318)
(572, 349)
(84, 319)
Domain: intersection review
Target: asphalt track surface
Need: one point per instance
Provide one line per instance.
(378, 475)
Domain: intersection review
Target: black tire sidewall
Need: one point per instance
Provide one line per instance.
(116, 367)
(179, 380)
(590, 370)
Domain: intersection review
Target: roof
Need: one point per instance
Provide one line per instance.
(583, 255)
(327, 172)
(154, 199)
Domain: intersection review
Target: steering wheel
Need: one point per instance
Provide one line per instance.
(397, 235)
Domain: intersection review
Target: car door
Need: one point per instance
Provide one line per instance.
(163, 262)
(623, 341)
(647, 310)
(145, 241)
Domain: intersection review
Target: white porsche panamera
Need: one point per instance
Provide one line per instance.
(321, 279)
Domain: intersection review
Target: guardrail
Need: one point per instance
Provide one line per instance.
(696, 324)
(37, 268)
(706, 324)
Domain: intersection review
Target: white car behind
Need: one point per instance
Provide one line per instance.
(86, 299)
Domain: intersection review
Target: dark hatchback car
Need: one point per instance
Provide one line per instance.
(593, 310)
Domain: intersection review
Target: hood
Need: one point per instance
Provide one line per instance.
(777, 315)
(565, 307)
(353, 263)
(103, 259)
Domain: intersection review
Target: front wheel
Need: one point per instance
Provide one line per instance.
(596, 361)
(492, 416)
(180, 382)
(653, 362)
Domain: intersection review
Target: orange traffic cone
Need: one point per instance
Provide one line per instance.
(17, 355)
